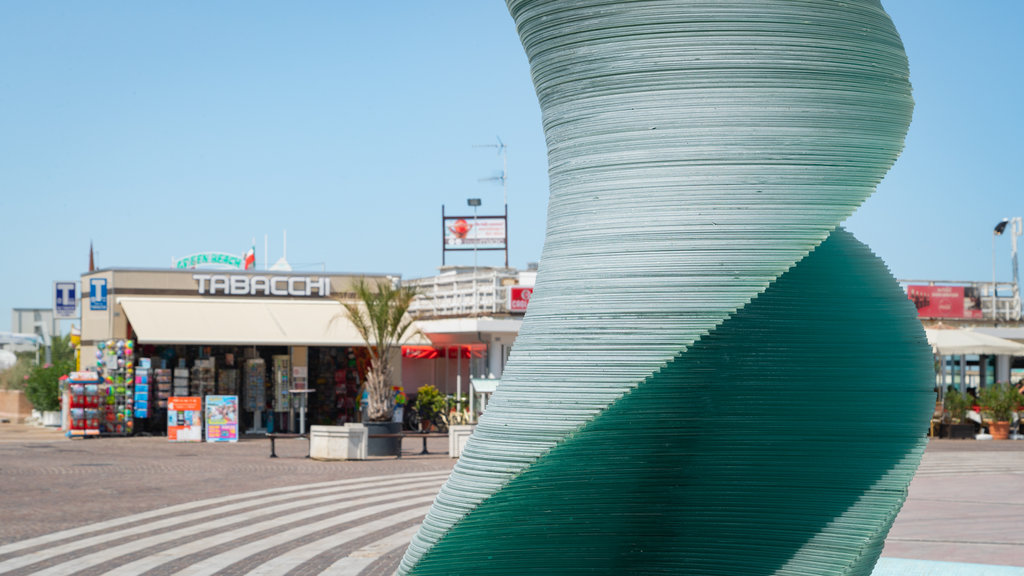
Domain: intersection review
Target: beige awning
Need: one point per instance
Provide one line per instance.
(956, 342)
(240, 321)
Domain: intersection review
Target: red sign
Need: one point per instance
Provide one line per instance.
(945, 301)
(519, 298)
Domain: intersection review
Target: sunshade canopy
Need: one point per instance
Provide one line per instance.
(240, 321)
(959, 342)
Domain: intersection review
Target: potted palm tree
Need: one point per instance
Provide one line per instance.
(998, 403)
(380, 316)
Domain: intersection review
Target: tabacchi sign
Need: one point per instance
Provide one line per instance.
(245, 285)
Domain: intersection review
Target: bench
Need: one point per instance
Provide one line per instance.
(423, 435)
(275, 435)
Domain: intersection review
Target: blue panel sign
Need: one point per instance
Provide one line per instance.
(65, 300)
(98, 294)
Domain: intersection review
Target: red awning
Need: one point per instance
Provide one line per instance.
(429, 352)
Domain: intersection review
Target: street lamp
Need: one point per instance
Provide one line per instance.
(997, 231)
(474, 202)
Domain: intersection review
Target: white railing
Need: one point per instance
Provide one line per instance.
(463, 292)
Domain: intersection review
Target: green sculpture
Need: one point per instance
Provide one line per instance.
(712, 378)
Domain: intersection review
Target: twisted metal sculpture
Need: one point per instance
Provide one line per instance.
(712, 378)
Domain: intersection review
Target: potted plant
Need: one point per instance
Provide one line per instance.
(380, 316)
(999, 402)
(429, 403)
(957, 405)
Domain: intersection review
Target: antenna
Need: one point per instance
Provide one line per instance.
(503, 151)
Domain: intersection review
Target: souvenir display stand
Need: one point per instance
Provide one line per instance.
(227, 382)
(180, 381)
(115, 364)
(202, 384)
(143, 383)
(282, 377)
(102, 402)
(84, 397)
(255, 381)
(163, 386)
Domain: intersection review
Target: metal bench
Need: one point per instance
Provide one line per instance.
(275, 435)
(423, 435)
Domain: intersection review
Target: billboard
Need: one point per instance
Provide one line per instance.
(945, 301)
(469, 233)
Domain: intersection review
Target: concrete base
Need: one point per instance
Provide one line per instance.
(457, 438)
(346, 442)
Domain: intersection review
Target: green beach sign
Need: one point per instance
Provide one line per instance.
(211, 259)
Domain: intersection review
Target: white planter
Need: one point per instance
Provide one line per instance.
(51, 418)
(346, 442)
(457, 437)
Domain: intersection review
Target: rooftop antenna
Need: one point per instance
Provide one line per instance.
(503, 178)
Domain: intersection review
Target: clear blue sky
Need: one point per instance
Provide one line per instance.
(157, 130)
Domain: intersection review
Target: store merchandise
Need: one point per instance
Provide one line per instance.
(163, 386)
(142, 390)
(181, 382)
(227, 381)
(255, 385)
(202, 382)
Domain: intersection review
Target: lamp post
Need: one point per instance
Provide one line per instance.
(997, 231)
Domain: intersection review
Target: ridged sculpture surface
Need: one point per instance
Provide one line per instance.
(712, 377)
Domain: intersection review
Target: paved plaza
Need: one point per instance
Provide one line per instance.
(144, 505)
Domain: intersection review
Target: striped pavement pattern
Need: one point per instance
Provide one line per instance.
(972, 463)
(341, 527)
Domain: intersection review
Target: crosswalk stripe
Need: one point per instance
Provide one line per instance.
(281, 493)
(212, 565)
(285, 562)
(357, 561)
(188, 523)
(192, 547)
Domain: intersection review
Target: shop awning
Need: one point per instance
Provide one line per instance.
(424, 352)
(950, 342)
(240, 321)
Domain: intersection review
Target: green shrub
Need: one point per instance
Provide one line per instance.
(42, 387)
(957, 405)
(15, 377)
(429, 402)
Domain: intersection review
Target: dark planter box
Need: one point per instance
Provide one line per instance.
(961, 431)
(386, 446)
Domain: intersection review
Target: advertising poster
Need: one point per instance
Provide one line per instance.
(222, 418)
(945, 301)
(519, 298)
(484, 233)
(185, 419)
